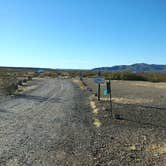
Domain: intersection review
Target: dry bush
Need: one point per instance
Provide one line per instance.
(16, 72)
(51, 74)
(8, 85)
(128, 75)
(9, 79)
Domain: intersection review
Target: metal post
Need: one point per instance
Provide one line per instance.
(111, 99)
(99, 74)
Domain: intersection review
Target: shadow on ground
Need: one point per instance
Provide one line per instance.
(38, 98)
(3, 110)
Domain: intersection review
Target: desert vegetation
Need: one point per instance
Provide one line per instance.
(8, 85)
(122, 75)
(136, 133)
(126, 75)
(10, 79)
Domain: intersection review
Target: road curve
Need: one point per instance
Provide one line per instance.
(47, 126)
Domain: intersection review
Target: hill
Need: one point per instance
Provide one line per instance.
(138, 67)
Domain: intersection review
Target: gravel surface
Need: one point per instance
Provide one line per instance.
(135, 92)
(53, 124)
(139, 101)
(47, 126)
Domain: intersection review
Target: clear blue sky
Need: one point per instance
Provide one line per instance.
(82, 33)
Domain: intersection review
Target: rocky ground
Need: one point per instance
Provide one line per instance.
(54, 122)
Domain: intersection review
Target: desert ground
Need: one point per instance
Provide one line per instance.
(139, 101)
(59, 122)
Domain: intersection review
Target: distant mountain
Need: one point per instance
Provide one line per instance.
(138, 67)
(40, 70)
(25, 68)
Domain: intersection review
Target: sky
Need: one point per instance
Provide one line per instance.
(82, 34)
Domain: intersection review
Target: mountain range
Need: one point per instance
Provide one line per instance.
(138, 67)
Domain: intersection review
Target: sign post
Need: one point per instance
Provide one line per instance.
(81, 76)
(109, 91)
(99, 80)
(99, 74)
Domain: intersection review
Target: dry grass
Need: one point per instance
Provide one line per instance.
(79, 83)
(23, 89)
(94, 107)
(123, 100)
(157, 149)
(97, 123)
(9, 79)
(8, 86)
(153, 85)
(95, 110)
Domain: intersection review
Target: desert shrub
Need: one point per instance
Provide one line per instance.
(74, 73)
(29, 78)
(8, 85)
(51, 74)
(127, 75)
(36, 74)
(155, 77)
(90, 73)
(131, 76)
(24, 80)
(10, 90)
(20, 82)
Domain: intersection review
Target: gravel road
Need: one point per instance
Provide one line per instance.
(52, 124)
(47, 126)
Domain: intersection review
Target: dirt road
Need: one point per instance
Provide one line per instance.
(51, 124)
(47, 126)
